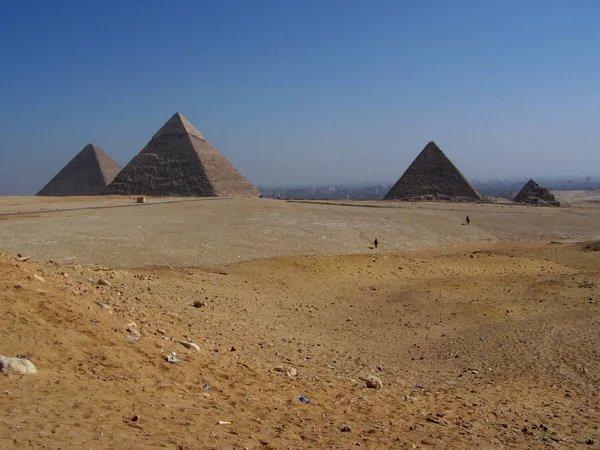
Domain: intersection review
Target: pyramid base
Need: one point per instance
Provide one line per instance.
(437, 198)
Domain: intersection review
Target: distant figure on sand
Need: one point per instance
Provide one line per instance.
(375, 243)
(468, 220)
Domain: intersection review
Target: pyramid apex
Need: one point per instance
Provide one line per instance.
(178, 124)
(431, 145)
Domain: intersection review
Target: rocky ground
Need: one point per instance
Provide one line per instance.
(485, 344)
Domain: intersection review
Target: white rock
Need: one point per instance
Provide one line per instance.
(10, 366)
(134, 332)
(37, 277)
(103, 282)
(104, 306)
(372, 382)
(190, 345)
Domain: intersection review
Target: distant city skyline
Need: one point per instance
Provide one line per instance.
(305, 93)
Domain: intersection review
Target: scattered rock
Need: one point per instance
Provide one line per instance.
(292, 372)
(190, 345)
(346, 429)
(372, 382)
(38, 278)
(199, 304)
(232, 349)
(135, 418)
(16, 366)
(433, 420)
(172, 358)
(104, 306)
(103, 282)
(134, 332)
(280, 369)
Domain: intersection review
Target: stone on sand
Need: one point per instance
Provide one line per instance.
(372, 382)
(190, 345)
(16, 366)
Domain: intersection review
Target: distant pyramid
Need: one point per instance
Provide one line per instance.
(534, 194)
(87, 174)
(432, 176)
(179, 162)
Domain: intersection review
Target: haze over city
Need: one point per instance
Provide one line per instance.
(304, 92)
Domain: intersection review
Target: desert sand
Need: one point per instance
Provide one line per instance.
(484, 336)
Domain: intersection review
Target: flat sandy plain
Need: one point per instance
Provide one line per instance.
(484, 336)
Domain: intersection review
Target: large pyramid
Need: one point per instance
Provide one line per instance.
(534, 194)
(88, 173)
(179, 162)
(432, 176)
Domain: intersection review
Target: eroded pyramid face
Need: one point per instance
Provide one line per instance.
(179, 162)
(88, 173)
(533, 193)
(432, 176)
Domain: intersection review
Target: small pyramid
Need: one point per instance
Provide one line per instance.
(534, 194)
(88, 173)
(179, 162)
(432, 176)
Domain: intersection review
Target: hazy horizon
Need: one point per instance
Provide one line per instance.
(305, 93)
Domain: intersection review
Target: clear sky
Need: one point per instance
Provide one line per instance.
(304, 92)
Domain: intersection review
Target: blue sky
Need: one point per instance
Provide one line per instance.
(303, 92)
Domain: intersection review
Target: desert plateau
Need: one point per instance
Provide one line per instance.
(483, 335)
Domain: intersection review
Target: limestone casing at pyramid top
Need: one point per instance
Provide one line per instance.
(178, 124)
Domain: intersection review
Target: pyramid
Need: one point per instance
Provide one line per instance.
(179, 162)
(432, 176)
(534, 194)
(88, 173)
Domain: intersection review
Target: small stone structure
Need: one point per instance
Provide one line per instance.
(433, 177)
(534, 194)
(178, 161)
(88, 173)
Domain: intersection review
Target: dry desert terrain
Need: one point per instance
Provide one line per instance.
(483, 336)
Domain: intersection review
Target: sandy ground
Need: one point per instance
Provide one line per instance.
(484, 336)
(117, 232)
